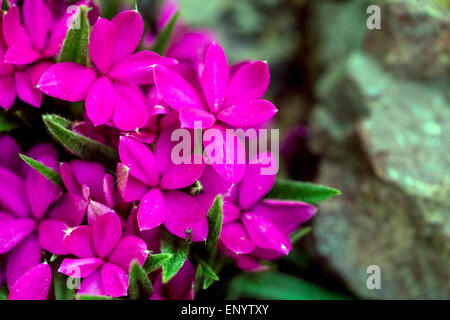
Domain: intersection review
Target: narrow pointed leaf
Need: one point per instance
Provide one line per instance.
(3, 293)
(5, 5)
(155, 261)
(215, 219)
(274, 285)
(139, 286)
(301, 191)
(163, 38)
(208, 273)
(178, 248)
(84, 147)
(6, 123)
(47, 172)
(199, 279)
(62, 291)
(300, 233)
(75, 46)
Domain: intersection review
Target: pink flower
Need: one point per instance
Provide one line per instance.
(252, 224)
(26, 50)
(234, 100)
(110, 90)
(104, 256)
(222, 97)
(89, 181)
(153, 178)
(180, 287)
(30, 219)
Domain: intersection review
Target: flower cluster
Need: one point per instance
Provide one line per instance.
(98, 222)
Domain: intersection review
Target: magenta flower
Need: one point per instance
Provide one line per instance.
(153, 179)
(252, 224)
(222, 97)
(26, 50)
(89, 181)
(104, 256)
(234, 100)
(180, 287)
(30, 219)
(110, 90)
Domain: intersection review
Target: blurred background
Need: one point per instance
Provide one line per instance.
(364, 111)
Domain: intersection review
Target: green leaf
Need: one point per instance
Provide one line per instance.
(199, 279)
(6, 123)
(139, 286)
(155, 261)
(83, 147)
(301, 191)
(75, 46)
(3, 293)
(215, 219)
(5, 5)
(163, 38)
(300, 233)
(274, 285)
(89, 297)
(178, 248)
(62, 292)
(47, 172)
(208, 272)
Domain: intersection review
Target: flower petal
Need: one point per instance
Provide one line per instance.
(129, 248)
(181, 175)
(7, 92)
(102, 44)
(114, 280)
(130, 110)
(265, 234)
(151, 211)
(188, 117)
(80, 268)
(235, 238)
(12, 231)
(226, 153)
(249, 82)
(91, 174)
(67, 81)
(9, 157)
(26, 91)
(214, 79)
(21, 55)
(22, 258)
(99, 101)
(175, 90)
(248, 114)
(130, 188)
(106, 233)
(182, 283)
(138, 68)
(51, 235)
(287, 215)
(255, 183)
(70, 209)
(130, 27)
(92, 285)
(179, 220)
(140, 159)
(33, 285)
(12, 191)
(13, 30)
(78, 242)
(37, 19)
(34, 184)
